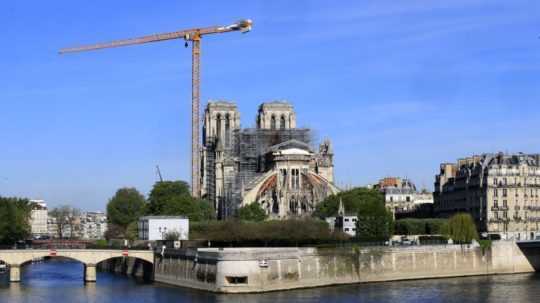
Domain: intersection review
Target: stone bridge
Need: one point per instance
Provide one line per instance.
(15, 258)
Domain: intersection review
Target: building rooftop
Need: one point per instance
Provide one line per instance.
(216, 104)
(275, 104)
(500, 158)
(162, 217)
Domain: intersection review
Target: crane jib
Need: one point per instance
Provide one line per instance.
(150, 38)
(194, 36)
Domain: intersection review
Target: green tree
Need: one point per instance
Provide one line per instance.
(14, 220)
(375, 222)
(114, 232)
(163, 192)
(271, 232)
(172, 236)
(354, 200)
(461, 228)
(123, 209)
(252, 212)
(412, 226)
(132, 231)
(173, 198)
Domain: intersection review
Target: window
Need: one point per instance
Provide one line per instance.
(505, 214)
(218, 126)
(495, 203)
(282, 122)
(284, 177)
(227, 129)
(494, 181)
(237, 280)
(273, 122)
(346, 219)
(505, 203)
(495, 192)
(295, 174)
(505, 192)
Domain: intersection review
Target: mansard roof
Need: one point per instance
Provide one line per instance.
(487, 160)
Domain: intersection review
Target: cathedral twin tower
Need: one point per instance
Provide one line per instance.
(272, 165)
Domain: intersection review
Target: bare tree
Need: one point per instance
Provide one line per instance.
(66, 216)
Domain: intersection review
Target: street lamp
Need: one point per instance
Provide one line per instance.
(163, 232)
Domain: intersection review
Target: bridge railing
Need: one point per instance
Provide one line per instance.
(59, 244)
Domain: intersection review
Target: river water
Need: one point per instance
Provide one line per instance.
(58, 281)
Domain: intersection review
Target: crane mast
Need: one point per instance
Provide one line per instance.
(194, 36)
(158, 171)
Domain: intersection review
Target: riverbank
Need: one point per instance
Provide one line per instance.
(244, 270)
(53, 281)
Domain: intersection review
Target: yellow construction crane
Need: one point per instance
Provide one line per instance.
(189, 35)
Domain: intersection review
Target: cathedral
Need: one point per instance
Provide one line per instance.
(273, 164)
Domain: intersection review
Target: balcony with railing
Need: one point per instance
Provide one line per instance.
(495, 220)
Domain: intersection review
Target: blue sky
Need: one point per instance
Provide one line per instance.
(399, 86)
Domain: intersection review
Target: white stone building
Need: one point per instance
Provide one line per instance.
(38, 219)
(401, 195)
(52, 227)
(500, 191)
(344, 222)
(93, 225)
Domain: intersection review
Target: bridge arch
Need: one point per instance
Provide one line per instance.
(29, 259)
(129, 266)
(88, 257)
(144, 256)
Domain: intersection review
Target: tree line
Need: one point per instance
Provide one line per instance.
(251, 225)
(167, 198)
(15, 214)
(14, 220)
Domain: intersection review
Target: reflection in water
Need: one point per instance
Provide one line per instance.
(58, 281)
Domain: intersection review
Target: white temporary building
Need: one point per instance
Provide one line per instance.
(154, 228)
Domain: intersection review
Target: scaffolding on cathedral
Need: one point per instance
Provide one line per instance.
(248, 149)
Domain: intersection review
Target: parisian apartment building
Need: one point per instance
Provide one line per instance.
(38, 219)
(93, 225)
(401, 195)
(499, 190)
(90, 225)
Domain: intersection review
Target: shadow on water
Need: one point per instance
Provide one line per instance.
(61, 281)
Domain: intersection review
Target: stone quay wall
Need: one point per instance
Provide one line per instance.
(238, 270)
(128, 266)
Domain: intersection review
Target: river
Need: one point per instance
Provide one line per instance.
(58, 281)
